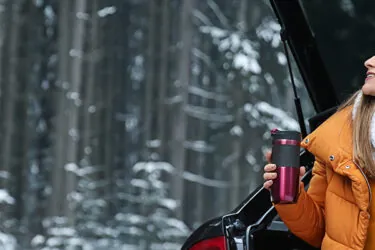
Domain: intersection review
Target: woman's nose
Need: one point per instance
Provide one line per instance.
(370, 63)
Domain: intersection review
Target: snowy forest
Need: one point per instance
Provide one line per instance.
(125, 124)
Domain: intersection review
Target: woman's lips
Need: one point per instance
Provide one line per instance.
(369, 76)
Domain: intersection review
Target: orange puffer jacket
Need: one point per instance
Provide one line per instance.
(334, 212)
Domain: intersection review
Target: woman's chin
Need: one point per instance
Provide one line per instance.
(369, 88)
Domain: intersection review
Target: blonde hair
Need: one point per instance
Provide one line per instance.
(361, 124)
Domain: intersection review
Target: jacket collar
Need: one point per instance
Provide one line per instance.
(331, 142)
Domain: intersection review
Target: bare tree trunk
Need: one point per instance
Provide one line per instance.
(164, 59)
(108, 123)
(114, 101)
(90, 104)
(201, 160)
(150, 81)
(77, 53)
(3, 25)
(242, 15)
(238, 145)
(11, 85)
(40, 136)
(26, 193)
(71, 50)
(58, 176)
(178, 153)
(237, 148)
(120, 102)
(91, 147)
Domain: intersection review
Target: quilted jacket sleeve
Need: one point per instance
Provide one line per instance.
(306, 218)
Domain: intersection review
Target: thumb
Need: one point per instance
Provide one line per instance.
(302, 171)
(268, 156)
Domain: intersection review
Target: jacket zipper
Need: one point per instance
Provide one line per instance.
(367, 181)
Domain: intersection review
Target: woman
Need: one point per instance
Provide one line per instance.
(338, 211)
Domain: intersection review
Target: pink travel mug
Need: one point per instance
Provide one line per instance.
(286, 157)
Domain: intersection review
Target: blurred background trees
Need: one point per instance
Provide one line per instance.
(125, 124)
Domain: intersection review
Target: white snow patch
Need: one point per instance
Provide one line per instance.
(74, 168)
(245, 56)
(169, 203)
(75, 241)
(281, 58)
(153, 143)
(246, 63)
(204, 181)
(247, 107)
(76, 53)
(76, 196)
(8, 242)
(38, 240)
(214, 31)
(164, 246)
(54, 242)
(92, 109)
(62, 231)
(6, 198)
(153, 166)
(83, 16)
(279, 116)
(236, 130)
(269, 31)
(133, 219)
(71, 167)
(269, 79)
(199, 146)
(251, 159)
(110, 10)
(140, 183)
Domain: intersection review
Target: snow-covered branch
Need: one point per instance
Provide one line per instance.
(207, 114)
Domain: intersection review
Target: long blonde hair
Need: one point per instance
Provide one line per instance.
(362, 147)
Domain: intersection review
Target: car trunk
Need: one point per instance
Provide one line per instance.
(329, 41)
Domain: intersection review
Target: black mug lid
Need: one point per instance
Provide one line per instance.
(286, 134)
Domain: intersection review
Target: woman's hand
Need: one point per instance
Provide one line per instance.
(270, 172)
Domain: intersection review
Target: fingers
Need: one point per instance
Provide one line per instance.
(268, 156)
(269, 175)
(269, 168)
(267, 185)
